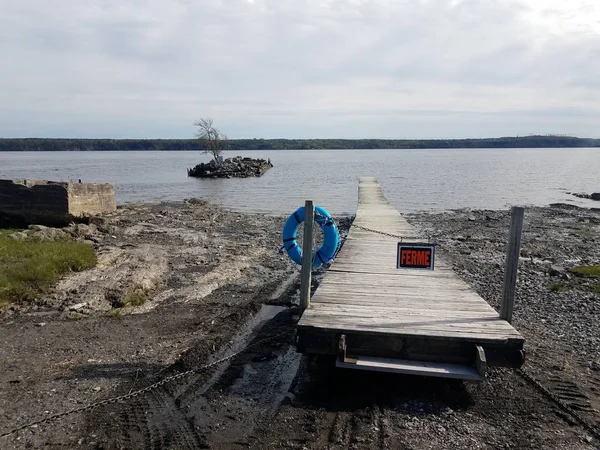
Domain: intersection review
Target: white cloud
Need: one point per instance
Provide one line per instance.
(306, 68)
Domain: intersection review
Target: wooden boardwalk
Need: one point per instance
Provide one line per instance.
(413, 316)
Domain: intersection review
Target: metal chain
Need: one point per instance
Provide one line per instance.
(138, 392)
(378, 232)
(389, 234)
(561, 404)
(557, 401)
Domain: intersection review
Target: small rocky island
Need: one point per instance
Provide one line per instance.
(237, 167)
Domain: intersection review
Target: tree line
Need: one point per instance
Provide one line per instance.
(46, 144)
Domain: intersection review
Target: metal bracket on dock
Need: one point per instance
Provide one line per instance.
(342, 351)
(410, 367)
(480, 360)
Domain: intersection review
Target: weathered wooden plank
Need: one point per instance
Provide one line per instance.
(357, 296)
(412, 305)
(360, 298)
(400, 277)
(440, 310)
(372, 280)
(457, 335)
(413, 301)
(403, 324)
(405, 309)
(390, 269)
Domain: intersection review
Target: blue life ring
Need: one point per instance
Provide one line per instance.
(331, 237)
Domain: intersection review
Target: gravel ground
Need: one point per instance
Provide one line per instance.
(209, 274)
(557, 312)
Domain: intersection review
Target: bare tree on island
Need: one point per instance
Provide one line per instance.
(213, 141)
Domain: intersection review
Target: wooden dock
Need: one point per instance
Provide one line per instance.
(374, 316)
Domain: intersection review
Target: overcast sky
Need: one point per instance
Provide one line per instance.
(312, 68)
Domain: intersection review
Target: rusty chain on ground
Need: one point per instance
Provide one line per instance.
(133, 394)
(531, 380)
(558, 402)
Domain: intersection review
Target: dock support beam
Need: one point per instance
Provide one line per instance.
(512, 263)
(307, 250)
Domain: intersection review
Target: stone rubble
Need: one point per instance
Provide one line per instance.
(237, 167)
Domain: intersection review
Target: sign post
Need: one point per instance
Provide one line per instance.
(512, 263)
(307, 250)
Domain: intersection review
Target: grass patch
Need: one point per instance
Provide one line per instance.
(136, 296)
(559, 287)
(9, 231)
(115, 313)
(30, 267)
(587, 271)
(597, 289)
(75, 316)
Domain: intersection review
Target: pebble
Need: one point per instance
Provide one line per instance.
(77, 306)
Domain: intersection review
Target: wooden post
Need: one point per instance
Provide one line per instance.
(307, 249)
(512, 263)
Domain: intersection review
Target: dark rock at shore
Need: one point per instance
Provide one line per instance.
(237, 167)
(563, 206)
(594, 196)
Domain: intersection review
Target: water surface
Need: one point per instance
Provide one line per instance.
(413, 180)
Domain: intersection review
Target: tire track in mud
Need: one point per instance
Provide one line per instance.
(564, 381)
(209, 410)
(351, 430)
(154, 421)
(343, 409)
(569, 393)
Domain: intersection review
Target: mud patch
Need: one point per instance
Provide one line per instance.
(215, 409)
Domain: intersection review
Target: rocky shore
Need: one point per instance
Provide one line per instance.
(237, 167)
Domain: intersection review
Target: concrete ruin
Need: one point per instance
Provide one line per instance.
(54, 203)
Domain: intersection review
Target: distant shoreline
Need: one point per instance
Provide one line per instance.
(60, 144)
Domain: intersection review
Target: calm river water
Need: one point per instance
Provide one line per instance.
(413, 180)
